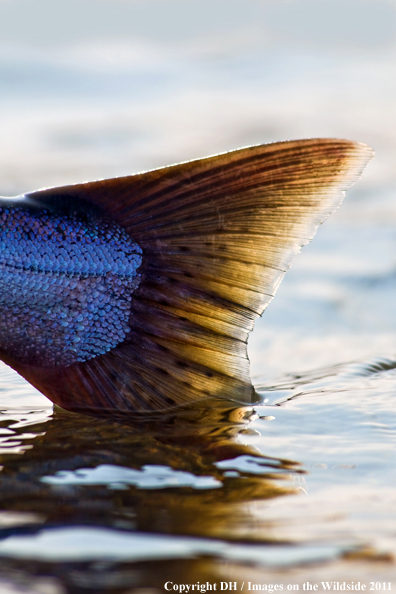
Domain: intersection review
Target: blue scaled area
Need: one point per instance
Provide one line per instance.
(67, 276)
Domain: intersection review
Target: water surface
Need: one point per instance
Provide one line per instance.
(303, 480)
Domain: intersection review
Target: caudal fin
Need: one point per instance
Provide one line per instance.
(217, 235)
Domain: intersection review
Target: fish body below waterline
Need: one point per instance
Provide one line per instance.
(137, 293)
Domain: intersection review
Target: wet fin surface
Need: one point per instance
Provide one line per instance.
(217, 236)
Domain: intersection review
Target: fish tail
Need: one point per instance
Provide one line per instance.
(217, 236)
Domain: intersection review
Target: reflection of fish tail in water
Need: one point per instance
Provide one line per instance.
(138, 293)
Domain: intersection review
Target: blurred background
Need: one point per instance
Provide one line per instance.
(99, 88)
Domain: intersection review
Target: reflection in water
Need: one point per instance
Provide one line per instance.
(189, 452)
(78, 490)
(208, 494)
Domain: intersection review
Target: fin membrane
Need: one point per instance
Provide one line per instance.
(217, 234)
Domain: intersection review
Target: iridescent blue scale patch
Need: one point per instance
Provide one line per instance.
(66, 282)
